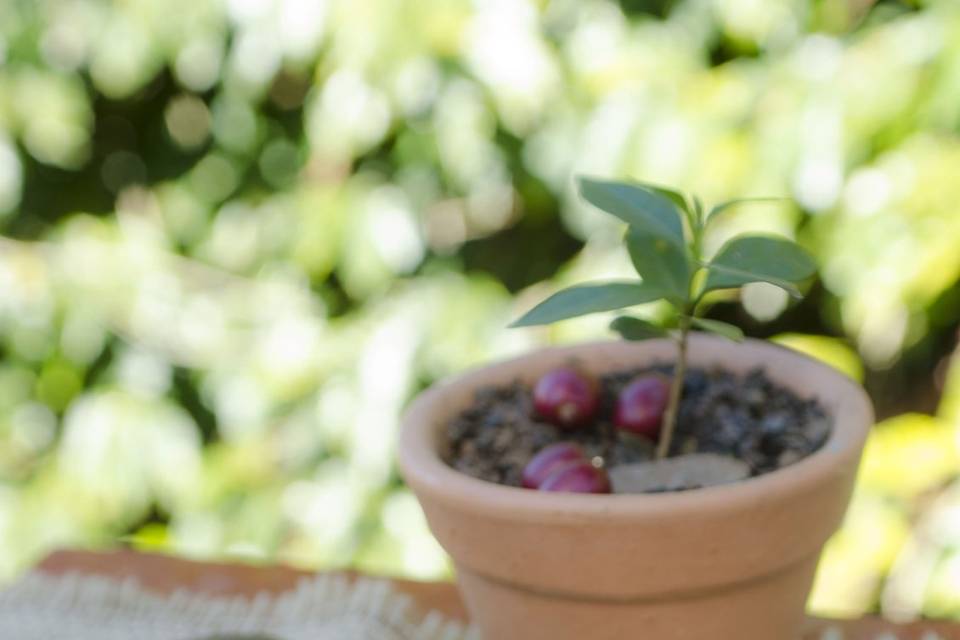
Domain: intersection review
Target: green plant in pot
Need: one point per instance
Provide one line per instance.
(665, 239)
(687, 479)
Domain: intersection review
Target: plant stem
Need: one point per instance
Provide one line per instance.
(676, 391)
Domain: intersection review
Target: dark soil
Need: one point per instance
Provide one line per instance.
(749, 417)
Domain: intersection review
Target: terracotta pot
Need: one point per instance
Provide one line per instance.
(734, 562)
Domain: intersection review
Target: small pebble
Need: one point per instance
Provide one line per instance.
(678, 474)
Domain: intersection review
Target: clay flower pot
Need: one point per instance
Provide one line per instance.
(734, 562)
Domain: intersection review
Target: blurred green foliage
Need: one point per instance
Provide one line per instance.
(240, 234)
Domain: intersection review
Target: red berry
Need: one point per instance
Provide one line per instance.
(577, 477)
(548, 460)
(566, 398)
(641, 406)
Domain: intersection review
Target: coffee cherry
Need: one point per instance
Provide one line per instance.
(577, 477)
(566, 398)
(641, 405)
(548, 460)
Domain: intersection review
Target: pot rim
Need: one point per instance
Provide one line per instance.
(428, 474)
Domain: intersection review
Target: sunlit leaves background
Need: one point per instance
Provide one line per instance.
(239, 235)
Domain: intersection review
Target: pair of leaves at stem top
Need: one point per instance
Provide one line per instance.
(664, 239)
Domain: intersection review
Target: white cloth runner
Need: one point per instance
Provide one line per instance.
(83, 607)
(78, 607)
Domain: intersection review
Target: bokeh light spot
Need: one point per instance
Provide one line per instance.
(214, 178)
(188, 121)
(198, 64)
(280, 162)
(11, 177)
(122, 168)
(234, 123)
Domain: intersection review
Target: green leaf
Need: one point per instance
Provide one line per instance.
(698, 210)
(662, 264)
(588, 298)
(730, 204)
(728, 331)
(631, 328)
(675, 196)
(641, 208)
(746, 259)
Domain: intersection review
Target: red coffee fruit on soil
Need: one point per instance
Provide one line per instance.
(641, 405)
(577, 477)
(566, 397)
(548, 460)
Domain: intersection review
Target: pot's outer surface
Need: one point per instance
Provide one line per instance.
(734, 562)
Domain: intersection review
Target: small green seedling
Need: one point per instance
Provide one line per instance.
(664, 238)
